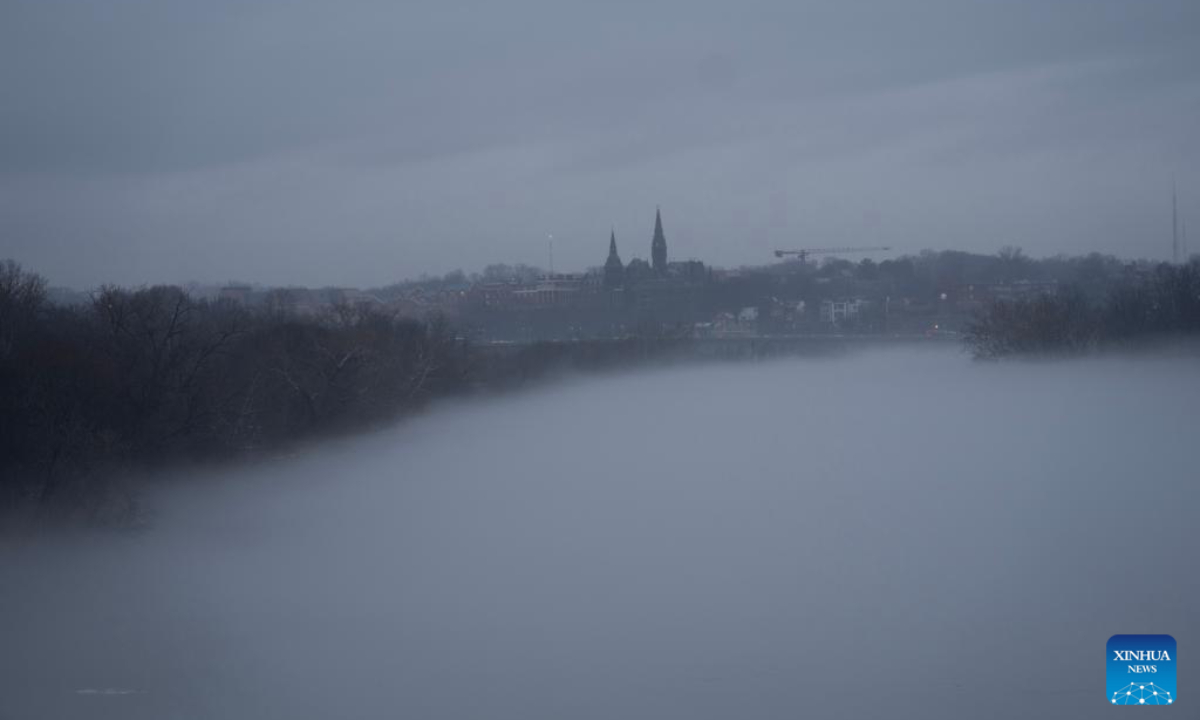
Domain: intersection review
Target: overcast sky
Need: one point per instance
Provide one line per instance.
(359, 142)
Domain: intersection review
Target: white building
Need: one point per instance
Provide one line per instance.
(839, 311)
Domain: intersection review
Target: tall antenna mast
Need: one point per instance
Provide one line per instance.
(1174, 224)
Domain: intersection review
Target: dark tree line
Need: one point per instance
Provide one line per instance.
(1159, 305)
(138, 378)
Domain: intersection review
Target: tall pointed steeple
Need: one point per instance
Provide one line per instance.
(658, 246)
(614, 270)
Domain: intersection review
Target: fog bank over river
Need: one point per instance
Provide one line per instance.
(891, 534)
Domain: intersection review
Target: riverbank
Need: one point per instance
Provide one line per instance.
(141, 382)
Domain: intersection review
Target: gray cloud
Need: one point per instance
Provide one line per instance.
(356, 143)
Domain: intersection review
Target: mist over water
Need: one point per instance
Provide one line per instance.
(899, 534)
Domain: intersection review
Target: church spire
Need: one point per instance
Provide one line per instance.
(658, 246)
(614, 270)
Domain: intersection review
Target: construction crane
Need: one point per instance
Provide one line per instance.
(803, 253)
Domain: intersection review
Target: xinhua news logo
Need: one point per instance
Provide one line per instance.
(1141, 670)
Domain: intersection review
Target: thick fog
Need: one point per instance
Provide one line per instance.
(897, 534)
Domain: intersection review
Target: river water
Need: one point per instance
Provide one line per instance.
(892, 534)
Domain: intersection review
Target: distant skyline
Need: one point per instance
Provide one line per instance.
(359, 143)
